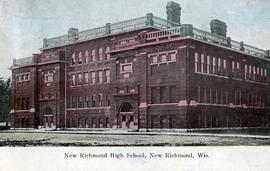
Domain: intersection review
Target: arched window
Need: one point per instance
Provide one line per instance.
(80, 58)
(100, 53)
(93, 55)
(86, 55)
(108, 55)
(73, 59)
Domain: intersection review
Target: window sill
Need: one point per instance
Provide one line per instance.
(220, 76)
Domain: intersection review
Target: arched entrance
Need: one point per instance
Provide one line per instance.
(126, 116)
(48, 117)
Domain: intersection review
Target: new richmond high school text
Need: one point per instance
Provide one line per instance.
(143, 73)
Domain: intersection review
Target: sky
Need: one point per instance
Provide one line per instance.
(24, 23)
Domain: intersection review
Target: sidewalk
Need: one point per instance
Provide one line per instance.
(171, 132)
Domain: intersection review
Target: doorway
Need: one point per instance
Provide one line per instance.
(126, 116)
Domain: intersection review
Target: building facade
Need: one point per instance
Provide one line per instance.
(143, 73)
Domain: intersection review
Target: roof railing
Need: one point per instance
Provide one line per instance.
(189, 30)
(114, 28)
(23, 61)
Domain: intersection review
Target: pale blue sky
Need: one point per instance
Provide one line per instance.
(24, 23)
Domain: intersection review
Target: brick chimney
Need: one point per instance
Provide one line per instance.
(73, 33)
(173, 12)
(218, 27)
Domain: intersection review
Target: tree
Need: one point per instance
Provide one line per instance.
(5, 92)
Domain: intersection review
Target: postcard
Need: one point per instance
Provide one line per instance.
(134, 85)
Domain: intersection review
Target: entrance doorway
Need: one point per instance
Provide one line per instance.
(126, 116)
(48, 118)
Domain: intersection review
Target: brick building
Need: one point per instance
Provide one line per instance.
(145, 72)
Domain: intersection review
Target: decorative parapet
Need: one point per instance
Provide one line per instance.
(189, 30)
(22, 62)
(120, 27)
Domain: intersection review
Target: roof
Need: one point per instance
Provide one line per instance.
(164, 28)
(110, 29)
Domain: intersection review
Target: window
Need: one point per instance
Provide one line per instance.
(73, 81)
(80, 105)
(202, 95)
(224, 67)
(86, 77)
(100, 99)
(18, 103)
(122, 42)
(86, 56)
(132, 90)
(27, 103)
(238, 74)
(126, 68)
(172, 94)
(100, 53)
(154, 97)
(163, 58)
(207, 94)
(163, 95)
(48, 78)
(250, 72)
(23, 77)
(100, 76)
(172, 57)
(107, 76)
(208, 64)
(73, 102)
(73, 59)
(93, 100)
(93, 55)
(26, 77)
(107, 100)
(237, 97)
(80, 58)
(108, 55)
(131, 119)
(199, 94)
(202, 63)
(93, 77)
(213, 94)
(86, 101)
(254, 73)
(236, 69)
(123, 118)
(214, 66)
(219, 66)
(197, 63)
(22, 103)
(80, 79)
(246, 71)
(154, 59)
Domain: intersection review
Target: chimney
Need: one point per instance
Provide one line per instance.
(218, 27)
(73, 33)
(173, 12)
